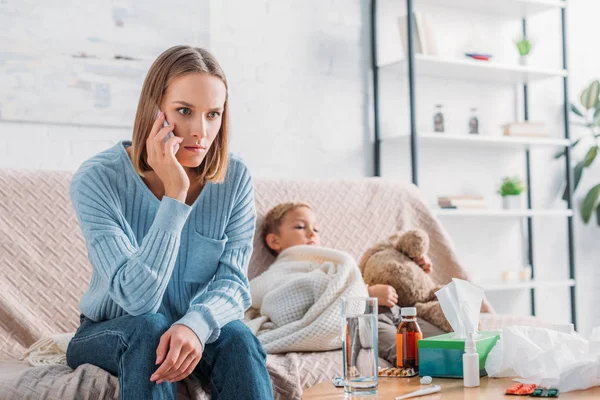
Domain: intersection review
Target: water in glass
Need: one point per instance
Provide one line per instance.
(359, 345)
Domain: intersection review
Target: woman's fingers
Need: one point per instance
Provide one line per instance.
(155, 145)
(189, 370)
(170, 361)
(182, 371)
(158, 141)
(185, 358)
(158, 123)
(170, 149)
(163, 348)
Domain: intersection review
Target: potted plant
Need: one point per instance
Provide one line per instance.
(588, 117)
(524, 46)
(510, 190)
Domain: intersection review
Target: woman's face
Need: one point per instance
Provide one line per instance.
(194, 103)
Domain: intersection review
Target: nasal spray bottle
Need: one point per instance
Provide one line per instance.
(470, 362)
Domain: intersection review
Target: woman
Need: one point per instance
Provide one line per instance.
(169, 225)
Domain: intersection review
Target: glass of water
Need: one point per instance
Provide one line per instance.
(359, 345)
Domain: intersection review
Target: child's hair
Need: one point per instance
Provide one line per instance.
(274, 217)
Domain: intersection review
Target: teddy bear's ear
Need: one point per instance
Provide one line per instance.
(413, 243)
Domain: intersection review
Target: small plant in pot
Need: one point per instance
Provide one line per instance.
(511, 190)
(524, 46)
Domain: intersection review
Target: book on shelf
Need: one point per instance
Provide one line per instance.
(463, 201)
(526, 129)
(424, 40)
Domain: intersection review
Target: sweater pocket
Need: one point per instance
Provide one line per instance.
(203, 258)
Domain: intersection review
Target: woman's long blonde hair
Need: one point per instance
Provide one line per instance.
(173, 63)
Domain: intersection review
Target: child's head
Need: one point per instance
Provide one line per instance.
(290, 224)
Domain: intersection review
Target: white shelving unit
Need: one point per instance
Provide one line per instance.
(533, 284)
(388, 66)
(501, 213)
(504, 8)
(472, 70)
(484, 140)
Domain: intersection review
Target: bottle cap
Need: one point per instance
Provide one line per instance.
(408, 312)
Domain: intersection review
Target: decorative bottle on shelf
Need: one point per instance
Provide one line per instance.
(473, 122)
(438, 119)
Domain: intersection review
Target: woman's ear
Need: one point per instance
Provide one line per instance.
(273, 242)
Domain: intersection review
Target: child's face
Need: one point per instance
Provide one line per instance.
(298, 227)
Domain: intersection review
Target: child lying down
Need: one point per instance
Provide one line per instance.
(299, 295)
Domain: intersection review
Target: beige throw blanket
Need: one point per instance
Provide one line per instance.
(299, 299)
(49, 350)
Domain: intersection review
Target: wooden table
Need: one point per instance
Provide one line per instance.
(389, 388)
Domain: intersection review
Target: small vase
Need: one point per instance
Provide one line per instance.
(524, 60)
(514, 202)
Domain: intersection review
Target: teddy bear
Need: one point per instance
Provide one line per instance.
(391, 263)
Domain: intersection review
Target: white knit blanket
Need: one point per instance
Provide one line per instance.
(299, 298)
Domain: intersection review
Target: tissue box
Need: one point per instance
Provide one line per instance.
(441, 356)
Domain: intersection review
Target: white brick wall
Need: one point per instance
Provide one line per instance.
(298, 73)
(55, 147)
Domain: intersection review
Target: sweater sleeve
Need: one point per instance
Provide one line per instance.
(136, 274)
(227, 296)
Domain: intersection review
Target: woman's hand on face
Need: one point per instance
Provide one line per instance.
(179, 351)
(163, 162)
(386, 295)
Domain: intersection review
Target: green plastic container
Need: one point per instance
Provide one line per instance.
(441, 356)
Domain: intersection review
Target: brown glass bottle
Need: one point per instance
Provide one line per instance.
(407, 338)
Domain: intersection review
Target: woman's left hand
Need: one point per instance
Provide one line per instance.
(179, 351)
(425, 264)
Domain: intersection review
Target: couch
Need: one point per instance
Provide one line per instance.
(44, 270)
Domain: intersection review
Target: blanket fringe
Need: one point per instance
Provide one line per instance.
(49, 350)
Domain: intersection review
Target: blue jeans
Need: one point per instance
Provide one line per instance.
(234, 365)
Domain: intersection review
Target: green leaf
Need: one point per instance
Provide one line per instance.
(598, 215)
(597, 117)
(589, 203)
(576, 110)
(591, 155)
(597, 112)
(589, 97)
(577, 173)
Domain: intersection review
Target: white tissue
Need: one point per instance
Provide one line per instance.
(544, 357)
(461, 303)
